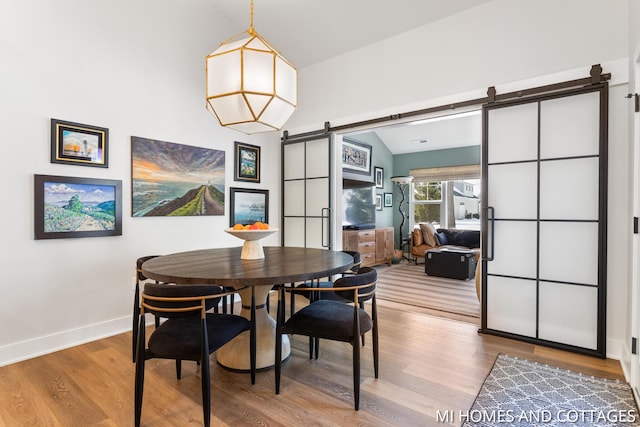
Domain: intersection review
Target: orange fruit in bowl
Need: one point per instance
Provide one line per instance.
(238, 227)
(254, 227)
(264, 226)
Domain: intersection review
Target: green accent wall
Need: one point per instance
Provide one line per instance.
(403, 163)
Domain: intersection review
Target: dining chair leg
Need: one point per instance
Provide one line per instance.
(252, 337)
(178, 368)
(374, 332)
(292, 302)
(278, 352)
(356, 371)
(362, 307)
(205, 374)
(134, 328)
(140, 360)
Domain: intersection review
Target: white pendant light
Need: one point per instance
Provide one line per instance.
(250, 86)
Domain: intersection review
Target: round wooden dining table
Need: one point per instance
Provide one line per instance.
(223, 267)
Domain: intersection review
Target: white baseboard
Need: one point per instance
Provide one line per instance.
(615, 349)
(24, 350)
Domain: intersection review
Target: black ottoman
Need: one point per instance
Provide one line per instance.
(451, 263)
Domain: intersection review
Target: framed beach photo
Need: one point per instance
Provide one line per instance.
(69, 207)
(79, 144)
(247, 162)
(248, 206)
(388, 200)
(356, 157)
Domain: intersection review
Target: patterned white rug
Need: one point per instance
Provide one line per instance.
(518, 392)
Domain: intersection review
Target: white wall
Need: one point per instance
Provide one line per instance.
(137, 68)
(498, 42)
(630, 362)
(510, 44)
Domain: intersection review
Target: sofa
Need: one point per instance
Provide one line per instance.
(425, 236)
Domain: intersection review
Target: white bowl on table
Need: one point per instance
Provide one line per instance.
(252, 247)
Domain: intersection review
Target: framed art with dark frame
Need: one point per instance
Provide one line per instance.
(161, 187)
(248, 206)
(69, 207)
(79, 144)
(356, 157)
(388, 200)
(247, 162)
(378, 175)
(378, 202)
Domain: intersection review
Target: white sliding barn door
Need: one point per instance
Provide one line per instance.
(544, 228)
(307, 197)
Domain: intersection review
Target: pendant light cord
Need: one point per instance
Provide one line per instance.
(251, 30)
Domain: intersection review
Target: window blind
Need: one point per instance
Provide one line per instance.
(446, 173)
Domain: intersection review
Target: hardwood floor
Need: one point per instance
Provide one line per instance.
(427, 364)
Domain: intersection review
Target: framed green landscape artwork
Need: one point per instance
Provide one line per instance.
(68, 207)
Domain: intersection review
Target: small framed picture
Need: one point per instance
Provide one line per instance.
(248, 206)
(77, 207)
(79, 144)
(379, 176)
(378, 202)
(388, 200)
(247, 162)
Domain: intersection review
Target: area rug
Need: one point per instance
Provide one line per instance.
(519, 392)
(409, 284)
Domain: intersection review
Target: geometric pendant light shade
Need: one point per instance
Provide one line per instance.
(250, 86)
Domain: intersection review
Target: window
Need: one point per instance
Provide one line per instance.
(447, 204)
(427, 202)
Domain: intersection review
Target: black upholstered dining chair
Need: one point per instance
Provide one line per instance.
(190, 332)
(300, 289)
(317, 283)
(334, 320)
(140, 277)
(314, 344)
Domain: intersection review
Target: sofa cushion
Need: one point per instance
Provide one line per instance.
(442, 238)
(416, 237)
(428, 233)
(467, 238)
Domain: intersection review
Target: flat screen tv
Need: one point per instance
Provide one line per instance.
(359, 208)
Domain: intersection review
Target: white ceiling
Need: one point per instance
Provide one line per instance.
(307, 32)
(310, 31)
(438, 133)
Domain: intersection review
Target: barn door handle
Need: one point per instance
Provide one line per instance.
(322, 218)
(492, 234)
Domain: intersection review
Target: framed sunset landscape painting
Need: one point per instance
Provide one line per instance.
(169, 179)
